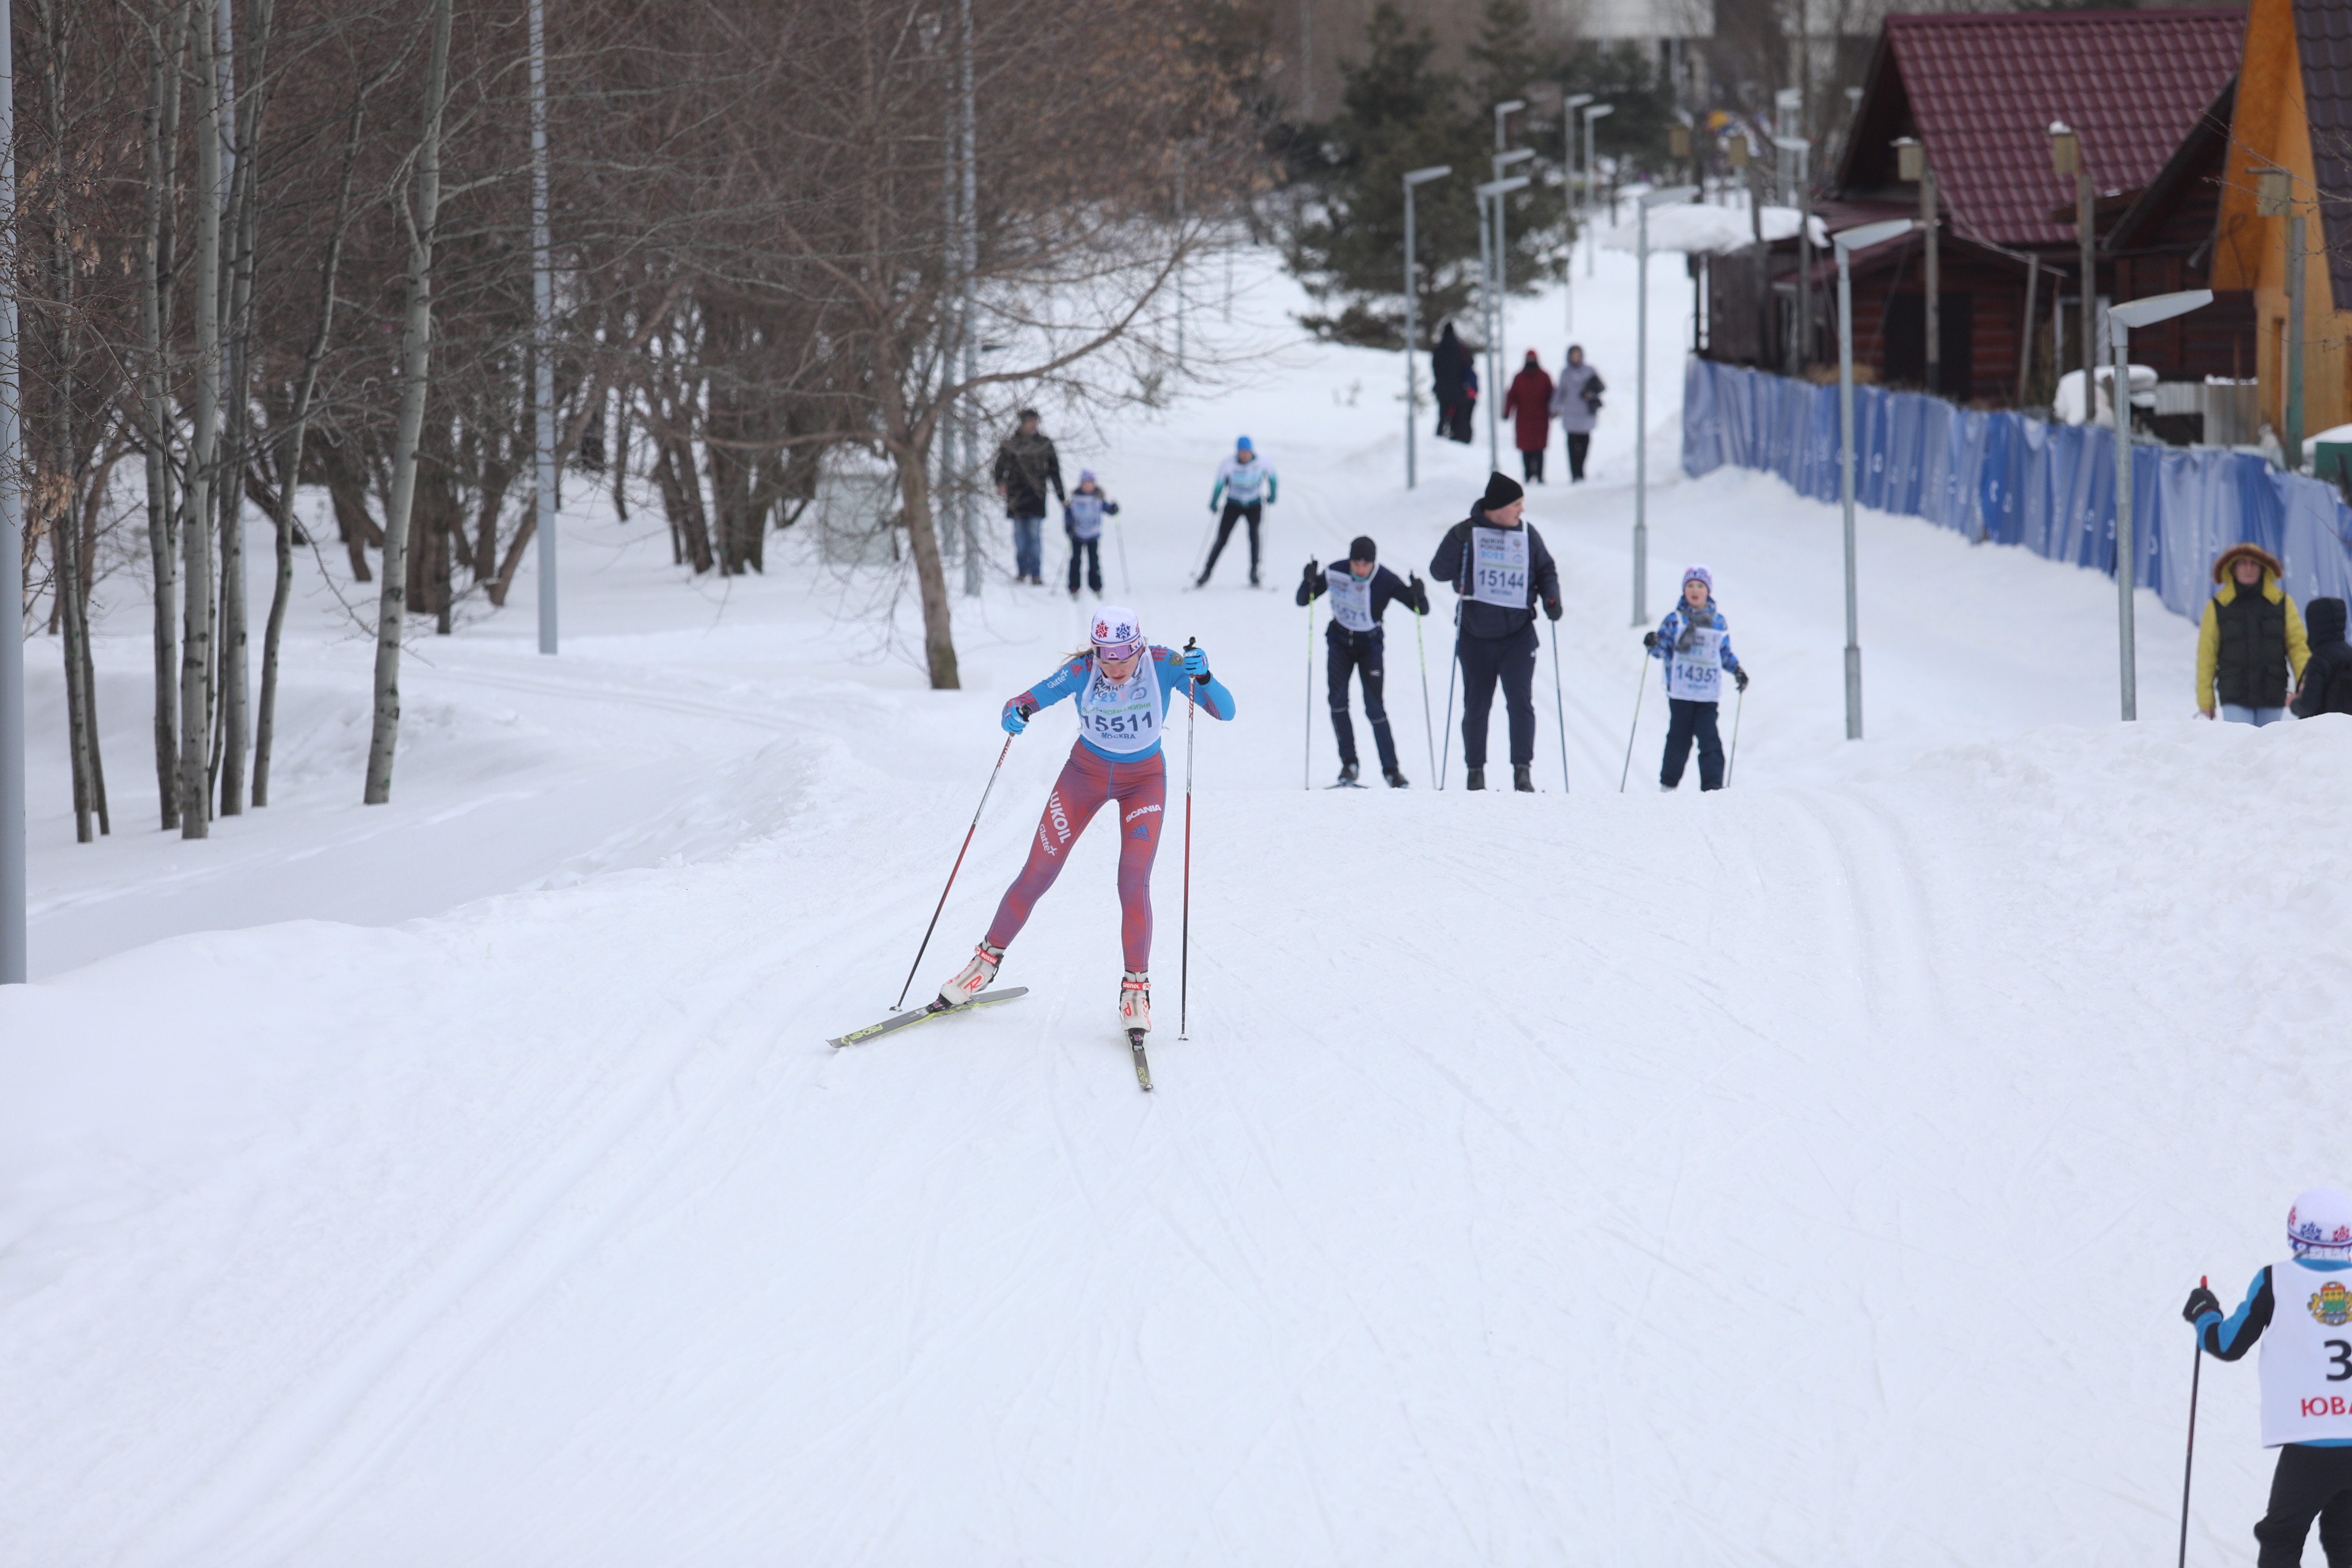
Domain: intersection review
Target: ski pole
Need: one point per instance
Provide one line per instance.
(952, 873)
(1738, 706)
(1445, 753)
(1627, 771)
(1427, 733)
(1184, 960)
(1126, 582)
(2189, 1465)
(1201, 552)
(1559, 711)
(1306, 747)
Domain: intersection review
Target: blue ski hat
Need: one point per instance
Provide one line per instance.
(1241, 444)
(1702, 573)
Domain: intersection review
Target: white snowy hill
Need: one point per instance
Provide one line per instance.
(1806, 1174)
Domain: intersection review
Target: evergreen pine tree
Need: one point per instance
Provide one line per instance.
(1397, 113)
(1511, 62)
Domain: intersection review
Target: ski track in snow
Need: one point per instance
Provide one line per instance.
(1806, 1174)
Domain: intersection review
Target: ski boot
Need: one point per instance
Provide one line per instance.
(1253, 581)
(1477, 779)
(972, 979)
(1135, 1002)
(1348, 772)
(1667, 788)
(1396, 778)
(1523, 778)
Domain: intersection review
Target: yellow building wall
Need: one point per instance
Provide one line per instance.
(2270, 128)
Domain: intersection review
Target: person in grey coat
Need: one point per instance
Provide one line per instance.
(1576, 399)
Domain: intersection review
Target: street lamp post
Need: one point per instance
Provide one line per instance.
(1568, 107)
(2121, 319)
(2066, 158)
(1642, 389)
(1802, 152)
(1911, 164)
(1846, 243)
(1592, 111)
(2274, 197)
(1503, 163)
(1411, 327)
(1492, 191)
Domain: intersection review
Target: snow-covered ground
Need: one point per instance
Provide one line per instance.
(1806, 1174)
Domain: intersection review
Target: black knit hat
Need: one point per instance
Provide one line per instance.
(1501, 490)
(1363, 549)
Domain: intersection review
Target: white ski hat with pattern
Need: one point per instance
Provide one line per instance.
(2320, 1222)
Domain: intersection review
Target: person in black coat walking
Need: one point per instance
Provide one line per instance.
(1360, 589)
(1455, 381)
(2326, 686)
(1502, 571)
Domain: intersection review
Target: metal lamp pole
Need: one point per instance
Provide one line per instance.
(1591, 177)
(2274, 197)
(1503, 112)
(542, 333)
(1846, 243)
(1504, 162)
(1802, 152)
(2121, 319)
(1492, 191)
(1641, 390)
(2067, 159)
(1568, 107)
(13, 970)
(1411, 327)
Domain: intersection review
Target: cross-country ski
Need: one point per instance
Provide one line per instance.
(937, 1007)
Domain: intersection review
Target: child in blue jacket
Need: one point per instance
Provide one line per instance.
(1695, 644)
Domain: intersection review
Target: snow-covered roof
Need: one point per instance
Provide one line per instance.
(1699, 228)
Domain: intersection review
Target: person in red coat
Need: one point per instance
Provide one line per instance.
(1529, 403)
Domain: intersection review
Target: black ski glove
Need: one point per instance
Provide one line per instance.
(1420, 596)
(1649, 639)
(1314, 570)
(1552, 608)
(1739, 678)
(2200, 1301)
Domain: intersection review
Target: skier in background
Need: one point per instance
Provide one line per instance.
(1082, 519)
(1529, 403)
(1247, 485)
(1577, 401)
(1026, 465)
(2301, 1310)
(1695, 644)
(1500, 568)
(1123, 687)
(1360, 589)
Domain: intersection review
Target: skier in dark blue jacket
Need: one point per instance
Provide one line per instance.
(1360, 589)
(1502, 571)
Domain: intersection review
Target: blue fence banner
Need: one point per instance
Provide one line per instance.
(2006, 479)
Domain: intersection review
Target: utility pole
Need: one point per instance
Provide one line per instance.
(1911, 164)
(542, 333)
(2066, 158)
(1411, 320)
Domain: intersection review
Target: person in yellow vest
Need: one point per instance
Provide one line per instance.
(2250, 641)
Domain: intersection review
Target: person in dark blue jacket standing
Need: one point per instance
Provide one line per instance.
(2301, 1312)
(1501, 570)
(1360, 589)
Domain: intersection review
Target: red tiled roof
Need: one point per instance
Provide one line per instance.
(1984, 89)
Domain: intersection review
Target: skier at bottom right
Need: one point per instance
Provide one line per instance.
(2301, 1310)
(1695, 641)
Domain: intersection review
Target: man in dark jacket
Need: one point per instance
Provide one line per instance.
(1501, 570)
(2327, 674)
(1454, 382)
(1360, 589)
(2249, 640)
(1026, 464)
